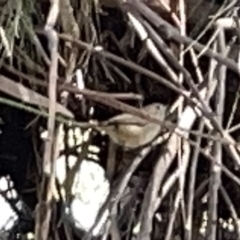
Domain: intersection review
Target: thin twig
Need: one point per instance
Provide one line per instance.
(44, 209)
(191, 186)
(215, 179)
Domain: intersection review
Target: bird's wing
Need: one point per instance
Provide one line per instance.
(128, 119)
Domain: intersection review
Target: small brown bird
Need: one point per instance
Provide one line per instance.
(131, 131)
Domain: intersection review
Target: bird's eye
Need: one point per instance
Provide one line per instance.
(157, 107)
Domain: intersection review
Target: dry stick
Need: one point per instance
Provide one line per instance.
(85, 125)
(193, 169)
(131, 169)
(143, 231)
(171, 33)
(174, 86)
(167, 187)
(155, 53)
(118, 72)
(235, 104)
(150, 198)
(179, 197)
(160, 43)
(169, 183)
(43, 101)
(210, 41)
(70, 88)
(154, 76)
(168, 53)
(151, 47)
(29, 96)
(86, 93)
(148, 73)
(26, 60)
(183, 152)
(173, 215)
(220, 13)
(216, 20)
(185, 158)
(234, 108)
(162, 80)
(178, 88)
(215, 179)
(39, 48)
(188, 78)
(91, 94)
(211, 158)
(191, 186)
(166, 28)
(163, 163)
(44, 209)
(69, 26)
(188, 224)
(213, 120)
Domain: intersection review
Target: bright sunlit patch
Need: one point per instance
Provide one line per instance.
(8, 216)
(90, 189)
